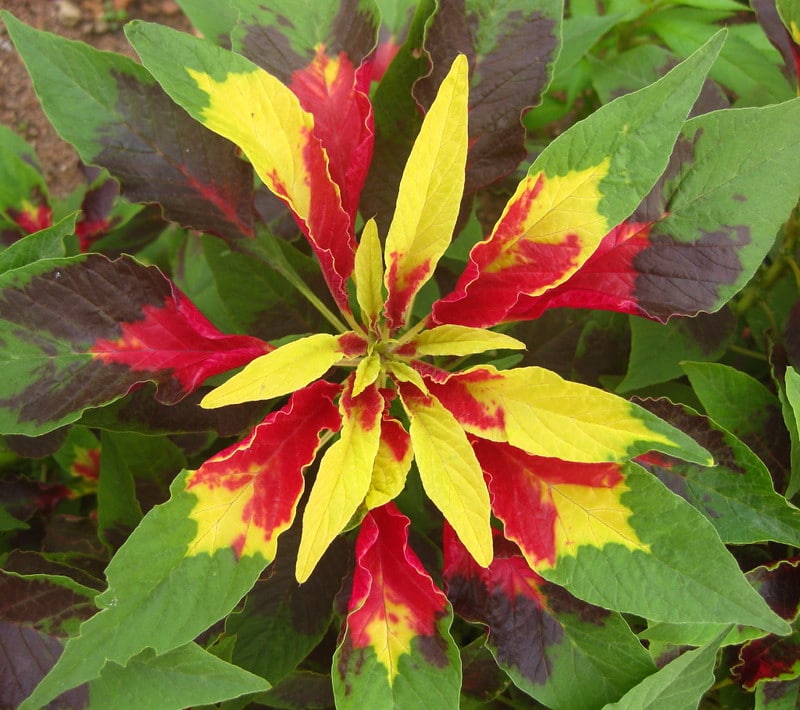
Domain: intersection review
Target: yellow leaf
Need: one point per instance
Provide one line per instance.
(450, 472)
(539, 412)
(369, 273)
(405, 373)
(344, 477)
(368, 370)
(462, 340)
(284, 370)
(391, 464)
(429, 196)
(264, 118)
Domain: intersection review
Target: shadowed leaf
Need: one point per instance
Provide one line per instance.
(151, 146)
(511, 48)
(81, 332)
(550, 643)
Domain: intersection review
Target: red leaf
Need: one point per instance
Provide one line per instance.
(247, 494)
(179, 345)
(342, 120)
(519, 484)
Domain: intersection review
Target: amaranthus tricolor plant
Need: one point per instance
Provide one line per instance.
(414, 470)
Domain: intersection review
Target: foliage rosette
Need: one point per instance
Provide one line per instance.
(396, 393)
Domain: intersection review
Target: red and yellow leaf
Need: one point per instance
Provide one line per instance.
(327, 89)
(608, 279)
(279, 140)
(539, 412)
(429, 196)
(247, 494)
(459, 340)
(396, 645)
(285, 369)
(549, 228)
(344, 476)
(175, 337)
(550, 508)
(450, 472)
(392, 464)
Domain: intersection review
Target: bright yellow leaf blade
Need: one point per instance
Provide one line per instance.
(367, 372)
(392, 464)
(284, 370)
(450, 472)
(429, 196)
(265, 119)
(369, 273)
(539, 412)
(344, 477)
(462, 340)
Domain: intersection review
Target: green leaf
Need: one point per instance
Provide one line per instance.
(736, 495)
(625, 131)
(685, 574)
(215, 21)
(628, 71)
(742, 405)
(24, 204)
(793, 396)
(282, 621)
(679, 684)
(9, 522)
(185, 676)
(45, 244)
(129, 462)
(750, 70)
(112, 111)
(162, 597)
(716, 203)
(658, 348)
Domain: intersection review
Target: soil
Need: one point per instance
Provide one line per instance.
(96, 22)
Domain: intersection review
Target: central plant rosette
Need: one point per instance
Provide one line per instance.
(471, 432)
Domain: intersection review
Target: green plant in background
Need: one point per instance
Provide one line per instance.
(426, 519)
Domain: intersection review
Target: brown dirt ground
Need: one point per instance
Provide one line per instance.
(97, 22)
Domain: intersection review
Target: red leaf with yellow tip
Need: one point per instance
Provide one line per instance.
(247, 494)
(549, 228)
(278, 138)
(396, 647)
(550, 507)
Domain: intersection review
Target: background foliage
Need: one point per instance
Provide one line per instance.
(121, 306)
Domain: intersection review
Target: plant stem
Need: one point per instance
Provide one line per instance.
(269, 250)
